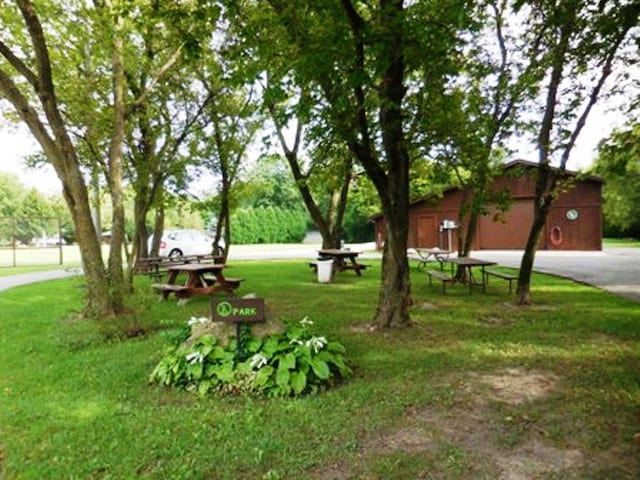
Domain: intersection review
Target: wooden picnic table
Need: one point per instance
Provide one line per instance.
(424, 254)
(343, 260)
(468, 263)
(156, 267)
(202, 279)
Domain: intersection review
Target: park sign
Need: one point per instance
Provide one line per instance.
(237, 310)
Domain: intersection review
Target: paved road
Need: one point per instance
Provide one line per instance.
(616, 269)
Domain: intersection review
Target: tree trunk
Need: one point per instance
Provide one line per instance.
(395, 293)
(158, 228)
(141, 234)
(99, 302)
(395, 297)
(523, 290)
(222, 228)
(116, 273)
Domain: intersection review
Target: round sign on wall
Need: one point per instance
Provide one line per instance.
(572, 214)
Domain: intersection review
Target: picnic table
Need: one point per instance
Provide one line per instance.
(422, 255)
(202, 279)
(343, 260)
(467, 264)
(156, 267)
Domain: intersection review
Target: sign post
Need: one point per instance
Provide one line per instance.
(239, 311)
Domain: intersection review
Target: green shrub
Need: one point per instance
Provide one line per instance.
(268, 225)
(292, 363)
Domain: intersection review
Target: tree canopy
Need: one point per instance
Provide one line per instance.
(618, 163)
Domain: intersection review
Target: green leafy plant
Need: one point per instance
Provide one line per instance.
(296, 362)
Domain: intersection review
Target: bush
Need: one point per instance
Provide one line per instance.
(292, 363)
(268, 225)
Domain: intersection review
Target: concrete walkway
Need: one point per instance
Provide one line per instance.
(10, 281)
(616, 269)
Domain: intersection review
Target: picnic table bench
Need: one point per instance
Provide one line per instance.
(510, 277)
(440, 275)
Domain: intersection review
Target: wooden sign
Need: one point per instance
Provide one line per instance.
(238, 310)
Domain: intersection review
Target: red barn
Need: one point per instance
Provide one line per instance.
(574, 222)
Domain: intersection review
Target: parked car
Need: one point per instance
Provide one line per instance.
(52, 241)
(185, 242)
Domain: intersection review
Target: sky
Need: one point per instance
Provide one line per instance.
(17, 143)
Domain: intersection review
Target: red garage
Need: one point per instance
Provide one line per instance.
(574, 222)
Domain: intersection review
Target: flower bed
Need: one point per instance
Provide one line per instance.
(295, 362)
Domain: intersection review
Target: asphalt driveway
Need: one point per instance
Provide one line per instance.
(616, 269)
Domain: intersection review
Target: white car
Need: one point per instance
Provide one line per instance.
(53, 241)
(185, 242)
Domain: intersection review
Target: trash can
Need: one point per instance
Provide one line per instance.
(325, 270)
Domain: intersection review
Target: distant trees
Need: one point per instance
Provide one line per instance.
(618, 163)
(27, 214)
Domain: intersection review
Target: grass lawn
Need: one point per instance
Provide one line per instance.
(621, 242)
(475, 389)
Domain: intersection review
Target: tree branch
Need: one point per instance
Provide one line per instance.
(19, 65)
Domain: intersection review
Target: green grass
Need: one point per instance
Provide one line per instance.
(74, 405)
(621, 242)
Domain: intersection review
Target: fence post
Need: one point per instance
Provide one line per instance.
(13, 240)
(60, 239)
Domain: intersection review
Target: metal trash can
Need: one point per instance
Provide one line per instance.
(325, 270)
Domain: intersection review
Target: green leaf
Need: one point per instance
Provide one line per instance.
(204, 387)
(195, 370)
(225, 373)
(298, 382)
(336, 347)
(216, 353)
(320, 368)
(288, 361)
(264, 376)
(282, 376)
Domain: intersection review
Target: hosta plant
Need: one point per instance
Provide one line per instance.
(295, 362)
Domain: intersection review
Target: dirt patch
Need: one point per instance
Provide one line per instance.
(516, 386)
(496, 320)
(332, 472)
(472, 425)
(415, 438)
(534, 459)
(362, 328)
(426, 306)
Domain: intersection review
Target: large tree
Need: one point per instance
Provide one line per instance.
(361, 60)
(479, 111)
(583, 44)
(27, 82)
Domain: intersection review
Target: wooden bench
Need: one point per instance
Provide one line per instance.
(233, 282)
(166, 288)
(510, 277)
(444, 277)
